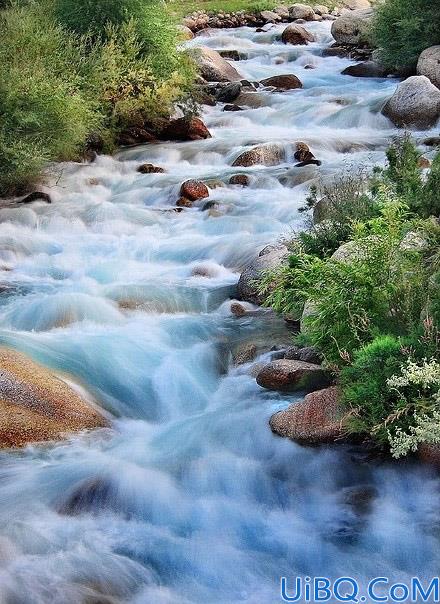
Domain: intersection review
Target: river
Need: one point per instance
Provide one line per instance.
(191, 499)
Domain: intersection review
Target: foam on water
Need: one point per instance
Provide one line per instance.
(190, 498)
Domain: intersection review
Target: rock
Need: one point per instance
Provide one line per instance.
(415, 104)
(36, 196)
(135, 136)
(295, 34)
(321, 210)
(424, 163)
(184, 202)
(232, 108)
(356, 4)
(232, 55)
(90, 495)
(308, 354)
(150, 169)
(237, 309)
(366, 69)
(228, 93)
(185, 129)
(36, 405)
(430, 454)
(245, 353)
(270, 16)
(283, 82)
(429, 64)
(433, 141)
(318, 419)
(303, 153)
(254, 100)
(302, 11)
(213, 67)
(309, 311)
(194, 190)
(271, 258)
(353, 27)
(240, 179)
(287, 376)
(282, 11)
(265, 155)
(320, 9)
(186, 32)
(335, 51)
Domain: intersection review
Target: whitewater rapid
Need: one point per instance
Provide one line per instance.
(190, 499)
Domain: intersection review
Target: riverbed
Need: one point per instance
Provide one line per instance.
(189, 498)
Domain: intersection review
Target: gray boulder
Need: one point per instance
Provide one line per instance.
(355, 4)
(287, 375)
(302, 11)
(366, 69)
(415, 104)
(264, 155)
(429, 64)
(353, 27)
(213, 67)
(270, 258)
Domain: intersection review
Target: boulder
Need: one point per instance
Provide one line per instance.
(232, 55)
(308, 354)
(149, 169)
(135, 136)
(254, 100)
(36, 405)
(355, 4)
(288, 376)
(430, 454)
(233, 107)
(270, 258)
(270, 16)
(283, 82)
(316, 420)
(432, 141)
(194, 190)
(228, 93)
(415, 104)
(213, 67)
(90, 495)
(429, 64)
(239, 179)
(366, 69)
(282, 11)
(184, 202)
(186, 32)
(295, 34)
(36, 196)
(321, 9)
(265, 155)
(302, 11)
(185, 129)
(353, 27)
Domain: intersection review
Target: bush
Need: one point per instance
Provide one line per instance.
(43, 113)
(403, 29)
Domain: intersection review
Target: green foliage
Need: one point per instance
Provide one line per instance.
(405, 175)
(403, 29)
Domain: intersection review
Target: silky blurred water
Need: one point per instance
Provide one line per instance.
(190, 499)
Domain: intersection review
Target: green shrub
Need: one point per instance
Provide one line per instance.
(403, 29)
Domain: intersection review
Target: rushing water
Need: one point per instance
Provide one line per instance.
(191, 499)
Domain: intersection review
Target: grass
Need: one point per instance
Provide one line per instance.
(183, 8)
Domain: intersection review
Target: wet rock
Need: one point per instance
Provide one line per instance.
(308, 354)
(318, 419)
(302, 11)
(228, 93)
(295, 34)
(353, 27)
(238, 310)
(430, 454)
(213, 67)
(150, 169)
(210, 205)
(366, 69)
(254, 100)
(240, 179)
(232, 55)
(287, 376)
(38, 406)
(283, 82)
(232, 107)
(91, 495)
(185, 129)
(184, 202)
(335, 51)
(303, 153)
(36, 196)
(194, 190)
(245, 353)
(135, 136)
(433, 141)
(429, 64)
(415, 104)
(265, 155)
(270, 258)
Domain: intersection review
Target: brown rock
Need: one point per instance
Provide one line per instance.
(36, 405)
(424, 163)
(302, 11)
(36, 196)
(265, 155)
(283, 82)
(183, 202)
(288, 376)
(149, 169)
(318, 419)
(194, 190)
(245, 353)
(185, 129)
(295, 34)
(430, 454)
(366, 69)
(213, 67)
(135, 136)
(239, 179)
